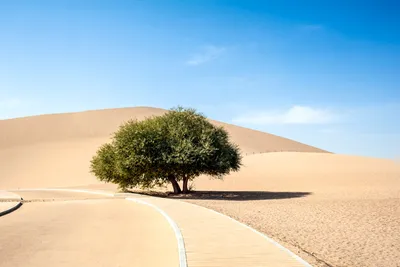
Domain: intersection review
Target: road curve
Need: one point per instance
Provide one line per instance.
(9, 202)
(99, 229)
(84, 230)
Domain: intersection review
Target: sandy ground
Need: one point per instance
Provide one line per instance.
(341, 210)
(332, 210)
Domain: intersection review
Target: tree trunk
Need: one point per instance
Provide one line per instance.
(175, 185)
(185, 185)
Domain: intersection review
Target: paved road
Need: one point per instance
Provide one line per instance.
(57, 228)
(75, 229)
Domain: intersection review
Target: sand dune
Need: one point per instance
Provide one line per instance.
(101, 123)
(52, 164)
(55, 149)
(342, 209)
(67, 126)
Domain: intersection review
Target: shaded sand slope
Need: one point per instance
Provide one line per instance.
(334, 210)
(55, 150)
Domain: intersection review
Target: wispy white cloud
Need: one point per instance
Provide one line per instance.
(293, 115)
(207, 53)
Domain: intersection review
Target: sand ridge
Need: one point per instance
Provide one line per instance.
(55, 150)
(102, 123)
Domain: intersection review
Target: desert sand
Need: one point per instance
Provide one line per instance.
(334, 210)
(54, 150)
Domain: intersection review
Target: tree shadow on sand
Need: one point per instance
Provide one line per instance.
(228, 195)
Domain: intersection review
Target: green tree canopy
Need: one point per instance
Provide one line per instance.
(177, 146)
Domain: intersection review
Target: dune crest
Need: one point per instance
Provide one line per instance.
(101, 123)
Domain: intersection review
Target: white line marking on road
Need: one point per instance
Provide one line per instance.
(177, 231)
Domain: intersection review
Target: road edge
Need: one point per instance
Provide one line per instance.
(13, 208)
(265, 236)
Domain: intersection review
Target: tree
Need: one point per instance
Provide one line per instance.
(104, 166)
(198, 147)
(177, 146)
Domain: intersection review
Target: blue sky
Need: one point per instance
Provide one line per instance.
(326, 73)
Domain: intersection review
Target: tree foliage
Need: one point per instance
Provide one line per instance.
(177, 146)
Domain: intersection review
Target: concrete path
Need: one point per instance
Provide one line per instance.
(90, 232)
(69, 228)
